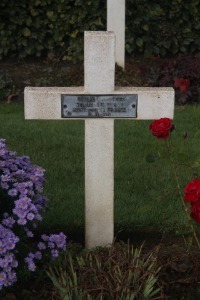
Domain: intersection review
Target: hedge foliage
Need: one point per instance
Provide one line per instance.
(163, 27)
(37, 27)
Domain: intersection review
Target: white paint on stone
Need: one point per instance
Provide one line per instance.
(99, 182)
(45, 103)
(153, 102)
(99, 66)
(116, 23)
(99, 62)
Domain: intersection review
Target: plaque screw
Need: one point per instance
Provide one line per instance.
(133, 105)
(65, 106)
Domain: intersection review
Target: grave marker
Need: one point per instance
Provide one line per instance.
(116, 23)
(99, 101)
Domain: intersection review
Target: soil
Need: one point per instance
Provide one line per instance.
(34, 72)
(179, 275)
(180, 264)
(44, 72)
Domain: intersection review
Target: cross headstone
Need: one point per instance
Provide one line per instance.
(99, 102)
(116, 23)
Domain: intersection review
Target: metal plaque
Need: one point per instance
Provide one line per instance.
(99, 106)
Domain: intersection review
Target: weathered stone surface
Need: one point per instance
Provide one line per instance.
(45, 103)
(116, 23)
(99, 182)
(152, 103)
(99, 62)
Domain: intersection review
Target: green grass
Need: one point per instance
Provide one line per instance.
(145, 193)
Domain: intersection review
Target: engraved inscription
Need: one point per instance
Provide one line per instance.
(99, 106)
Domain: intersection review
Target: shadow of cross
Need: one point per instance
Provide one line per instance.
(99, 103)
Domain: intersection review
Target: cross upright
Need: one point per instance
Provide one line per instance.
(99, 103)
(116, 23)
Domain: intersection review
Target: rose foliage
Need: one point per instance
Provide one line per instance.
(21, 207)
(161, 129)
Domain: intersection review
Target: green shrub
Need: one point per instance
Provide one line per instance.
(162, 27)
(118, 272)
(44, 26)
(6, 86)
(168, 72)
(39, 27)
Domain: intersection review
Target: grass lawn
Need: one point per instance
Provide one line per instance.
(145, 193)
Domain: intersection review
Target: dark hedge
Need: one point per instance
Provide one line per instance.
(40, 27)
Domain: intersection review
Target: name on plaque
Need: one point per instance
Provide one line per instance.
(99, 106)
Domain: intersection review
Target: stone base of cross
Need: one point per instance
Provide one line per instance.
(99, 102)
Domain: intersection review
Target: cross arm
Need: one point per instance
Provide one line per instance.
(45, 103)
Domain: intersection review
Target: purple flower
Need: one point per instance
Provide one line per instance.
(21, 221)
(45, 237)
(31, 255)
(2, 164)
(20, 212)
(28, 260)
(29, 233)
(14, 167)
(4, 185)
(12, 192)
(30, 216)
(3, 262)
(14, 264)
(2, 151)
(32, 266)
(51, 245)
(2, 276)
(12, 277)
(41, 246)
(54, 253)
(8, 239)
(5, 177)
(38, 217)
(38, 255)
(23, 202)
(8, 222)
(39, 172)
(22, 183)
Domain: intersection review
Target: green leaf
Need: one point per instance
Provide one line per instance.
(139, 42)
(49, 13)
(182, 157)
(186, 30)
(145, 27)
(167, 44)
(150, 158)
(26, 32)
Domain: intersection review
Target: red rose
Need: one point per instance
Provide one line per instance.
(161, 128)
(182, 84)
(192, 191)
(195, 211)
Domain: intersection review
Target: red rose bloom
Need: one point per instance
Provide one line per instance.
(192, 191)
(182, 84)
(195, 211)
(161, 128)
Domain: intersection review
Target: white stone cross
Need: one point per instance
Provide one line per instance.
(116, 23)
(99, 77)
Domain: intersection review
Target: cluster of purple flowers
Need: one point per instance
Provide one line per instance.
(21, 206)
(51, 244)
(8, 262)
